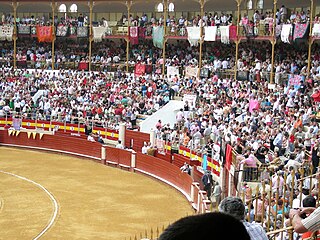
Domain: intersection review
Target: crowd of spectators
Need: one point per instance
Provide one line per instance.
(271, 127)
(74, 96)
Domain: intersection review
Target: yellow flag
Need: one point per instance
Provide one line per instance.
(9, 132)
(34, 134)
(41, 135)
(29, 134)
(17, 133)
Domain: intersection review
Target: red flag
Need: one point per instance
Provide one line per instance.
(44, 33)
(139, 69)
(228, 157)
(233, 32)
(134, 38)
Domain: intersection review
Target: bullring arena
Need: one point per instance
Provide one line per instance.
(80, 200)
(118, 118)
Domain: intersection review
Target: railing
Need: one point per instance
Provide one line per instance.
(77, 128)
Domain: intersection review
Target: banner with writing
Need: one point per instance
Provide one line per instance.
(6, 32)
(44, 33)
(191, 71)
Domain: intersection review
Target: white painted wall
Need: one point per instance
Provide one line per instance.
(167, 114)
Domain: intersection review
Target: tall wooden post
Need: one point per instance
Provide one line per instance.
(128, 3)
(310, 37)
(237, 39)
(273, 40)
(202, 2)
(165, 10)
(15, 5)
(53, 5)
(90, 33)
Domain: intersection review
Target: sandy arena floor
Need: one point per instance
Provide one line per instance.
(94, 201)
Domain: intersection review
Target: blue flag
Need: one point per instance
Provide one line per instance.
(157, 36)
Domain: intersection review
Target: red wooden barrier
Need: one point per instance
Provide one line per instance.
(137, 138)
(66, 144)
(165, 171)
(118, 156)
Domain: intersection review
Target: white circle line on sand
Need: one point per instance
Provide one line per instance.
(55, 203)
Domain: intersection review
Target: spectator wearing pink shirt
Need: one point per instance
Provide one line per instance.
(250, 168)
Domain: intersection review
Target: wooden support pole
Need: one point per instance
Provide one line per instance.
(15, 5)
(202, 2)
(237, 39)
(273, 40)
(310, 37)
(90, 32)
(165, 10)
(128, 3)
(53, 6)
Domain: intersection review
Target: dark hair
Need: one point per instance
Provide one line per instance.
(309, 201)
(233, 206)
(204, 226)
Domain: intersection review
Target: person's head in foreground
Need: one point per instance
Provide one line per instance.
(233, 206)
(206, 226)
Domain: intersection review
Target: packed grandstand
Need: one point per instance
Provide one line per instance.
(254, 81)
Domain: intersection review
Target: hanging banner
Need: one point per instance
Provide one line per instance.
(6, 32)
(98, 33)
(23, 29)
(191, 71)
(286, 32)
(316, 30)
(82, 32)
(194, 35)
(158, 36)
(233, 32)
(62, 31)
(210, 33)
(44, 33)
(228, 161)
(190, 99)
(134, 38)
(224, 31)
(300, 30)
(139, 69)
(172, 71)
